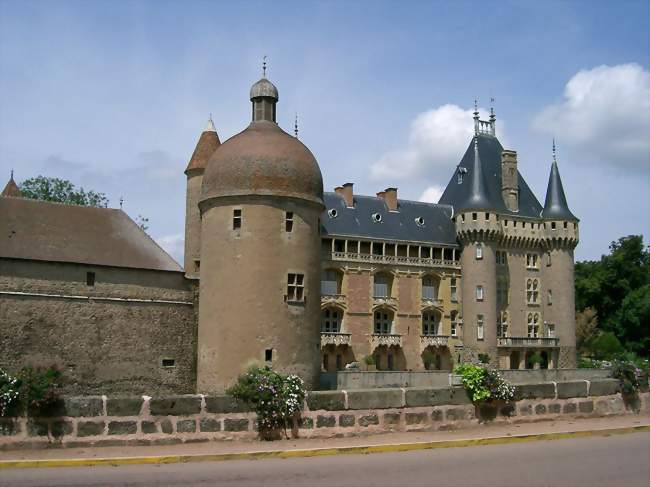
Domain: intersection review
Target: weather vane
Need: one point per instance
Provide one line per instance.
(264, 66)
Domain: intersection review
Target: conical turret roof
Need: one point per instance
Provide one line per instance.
(205, 147)
(11, 189)
(555, 206)
(477, 198)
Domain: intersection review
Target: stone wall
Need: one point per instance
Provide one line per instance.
(143, 420)
(108, 337)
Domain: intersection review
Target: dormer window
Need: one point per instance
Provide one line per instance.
(419, 221)
(460, 175)
(376, 217)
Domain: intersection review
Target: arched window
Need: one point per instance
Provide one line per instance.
(383, 322)
(382, 286)
(532, 291)
(430, 323)
(429, 288)
(533, 325)
(330, 284)
(331, 320)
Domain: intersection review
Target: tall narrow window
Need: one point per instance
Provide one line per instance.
(330, 321)
(550, 330)
(549, 297)
(479, 251)
(382, 286)
(479, 293)
(532, 291)
(296, 287)
(236, 219)
(454, 323)
(548, 258)
(288, 221)
(479, 327)
(453, 289)
(383, 322)
(502, 326)
(330, 284)
(90, 278)
(533, 325)
(430, 324)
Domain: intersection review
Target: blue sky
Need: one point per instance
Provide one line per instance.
(113, 95)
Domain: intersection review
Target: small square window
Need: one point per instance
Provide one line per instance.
(552, 225)
(566, 225)
(268, 355)
(295, 287)
(168, 362)
(90, 278)
(474, 216)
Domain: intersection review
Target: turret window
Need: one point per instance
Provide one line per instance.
(479, 251)
(236, 219)
(479, 293)
(479, 327)
(549, 298)
(288, 221)
(296, 287)
(548, 259)
(532, 261)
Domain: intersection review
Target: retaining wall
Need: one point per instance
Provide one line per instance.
(142, 420)
(344, 380)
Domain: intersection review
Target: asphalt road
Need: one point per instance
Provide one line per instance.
(618, 461)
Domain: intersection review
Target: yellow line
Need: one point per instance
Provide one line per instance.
(318, 452)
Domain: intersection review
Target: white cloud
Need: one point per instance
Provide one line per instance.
(432, 194)
(174, 245)
(437, 140)
(605, 116)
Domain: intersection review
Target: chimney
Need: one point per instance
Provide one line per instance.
(347, 192)
(510, 180)
(390, 197)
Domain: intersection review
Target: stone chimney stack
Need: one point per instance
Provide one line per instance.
(390, 197)
(347, 192)
(510, 180)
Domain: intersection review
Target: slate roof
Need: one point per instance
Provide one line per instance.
(39, 230)
(555, 206)
(460, 196)
(357, 222)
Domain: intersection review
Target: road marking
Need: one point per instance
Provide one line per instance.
(319, 452)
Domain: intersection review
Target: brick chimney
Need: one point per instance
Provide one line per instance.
(347, 192)
(389, 195)
(510, 180)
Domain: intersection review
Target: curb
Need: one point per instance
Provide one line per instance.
(318, 452)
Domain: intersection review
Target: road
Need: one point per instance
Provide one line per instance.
(619, 461)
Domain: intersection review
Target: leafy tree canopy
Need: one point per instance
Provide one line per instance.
(60, 191)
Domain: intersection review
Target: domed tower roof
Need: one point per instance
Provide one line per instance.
(263, 159)
(205, 147)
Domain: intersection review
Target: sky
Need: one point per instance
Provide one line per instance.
(114, 95)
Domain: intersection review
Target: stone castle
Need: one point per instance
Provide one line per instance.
(278, 272)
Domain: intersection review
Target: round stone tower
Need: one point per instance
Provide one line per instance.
(261, 198)
(560, 237)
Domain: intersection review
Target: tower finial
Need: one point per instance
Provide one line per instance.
(11, 178)
(264, 66)
(493, 117)
(475, 116)
(295, 126)
(121, 201)
(554, 153)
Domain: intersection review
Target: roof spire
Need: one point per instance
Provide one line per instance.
(295, 126)
(121, 201)
(493, 117)
(11, 178)
(475, 116)
(264, 66)
(209, 127)
(555, 205)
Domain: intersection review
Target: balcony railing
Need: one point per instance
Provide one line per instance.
(384, 301)
(329, 338)
(378, 340)
(391, 259)
(527, 342)
(333, 299)
(433, 341)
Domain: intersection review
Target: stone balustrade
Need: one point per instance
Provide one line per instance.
(379, 339)
(335, 339)
(527, 342)
(433, 341)
(392, 259)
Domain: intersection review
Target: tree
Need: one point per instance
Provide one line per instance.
(586, 329)
(60, 191)
(606, 346)
(633, 321)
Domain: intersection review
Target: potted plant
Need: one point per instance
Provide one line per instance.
(369, 360)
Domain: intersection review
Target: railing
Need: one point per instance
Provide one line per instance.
(378, 340)
(433, 341)
(330, 338)
(333, 299)
(527, 342)
(391, 259)
(384, 300)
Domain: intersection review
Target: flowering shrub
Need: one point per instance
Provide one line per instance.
(8, 392)
(629, 376)
(275, 398)
(39, 388)
(483, 384)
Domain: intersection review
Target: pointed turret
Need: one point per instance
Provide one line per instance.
(11, 189)
(205, 147)
(555, 206)
(477, 197)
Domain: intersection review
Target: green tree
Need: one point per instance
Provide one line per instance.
(606, 346)
(633, 321)
(60, 191)
(586, 329)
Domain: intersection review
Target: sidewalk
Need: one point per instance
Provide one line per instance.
(228, 450)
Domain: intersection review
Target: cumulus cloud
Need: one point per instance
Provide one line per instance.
(604, 117)
(174, 245)
(432, 194)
